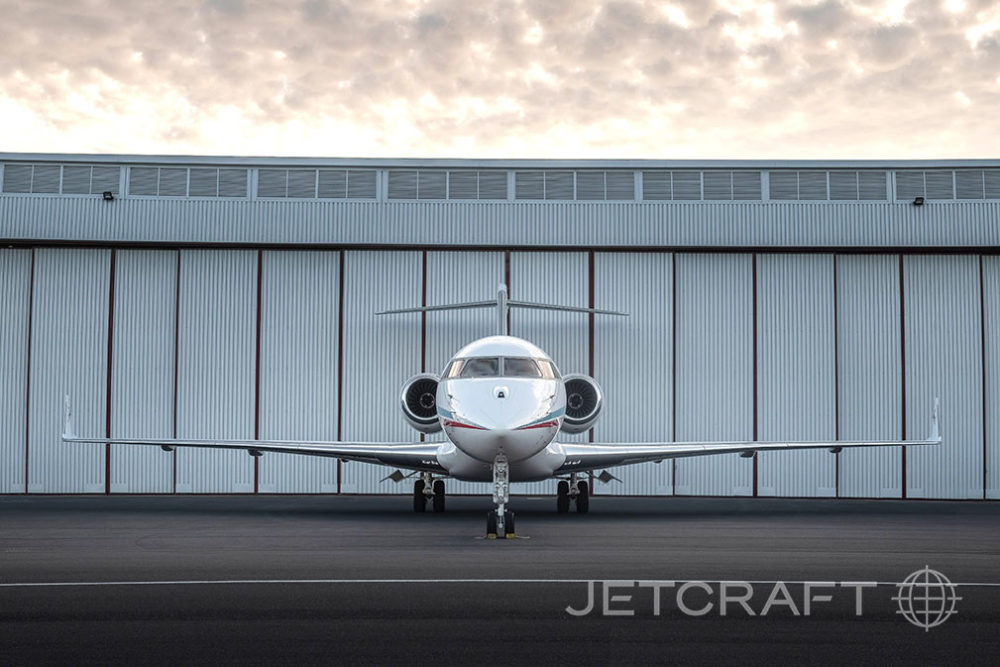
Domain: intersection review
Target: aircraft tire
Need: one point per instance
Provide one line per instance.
(419, 499)
(508, 524)
(562, 497)
(491, 524)
(583, 498)
(438, 499)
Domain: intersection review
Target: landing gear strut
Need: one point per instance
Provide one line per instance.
(574, 490)
(428, 487)
(500, 522)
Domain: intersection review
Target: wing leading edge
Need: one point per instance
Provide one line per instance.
(588, 456)
(420, 456)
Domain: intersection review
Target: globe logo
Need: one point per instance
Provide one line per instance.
(926, 598)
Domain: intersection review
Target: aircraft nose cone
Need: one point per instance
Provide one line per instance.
(505, 415)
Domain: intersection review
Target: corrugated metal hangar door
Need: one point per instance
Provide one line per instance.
(285, 344)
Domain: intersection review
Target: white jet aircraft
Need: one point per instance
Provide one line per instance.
(501, 402)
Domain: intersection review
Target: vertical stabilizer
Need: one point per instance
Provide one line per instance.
(502, 310)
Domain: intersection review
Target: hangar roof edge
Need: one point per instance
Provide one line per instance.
(491, 163)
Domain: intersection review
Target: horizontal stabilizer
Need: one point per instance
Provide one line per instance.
(503, 306)
(449, 306)
(492, 304)
(569, 309)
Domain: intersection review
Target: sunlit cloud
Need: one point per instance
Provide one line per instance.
(955, 6)
(676, 15)
(534, 34)
(985, 25)
(894, 11)
(498, 78)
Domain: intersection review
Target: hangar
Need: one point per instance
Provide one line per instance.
(236, 298)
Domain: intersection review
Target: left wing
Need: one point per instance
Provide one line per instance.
(409, 455)
(588, 456)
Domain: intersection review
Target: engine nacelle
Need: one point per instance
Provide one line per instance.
(420, 403)
(583, 403)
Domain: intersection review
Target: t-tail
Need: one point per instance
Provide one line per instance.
(503, 305)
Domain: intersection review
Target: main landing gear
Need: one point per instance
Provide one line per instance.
(500, 522)
(573, 490)
(428, 488)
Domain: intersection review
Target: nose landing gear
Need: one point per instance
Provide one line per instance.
(500, 522)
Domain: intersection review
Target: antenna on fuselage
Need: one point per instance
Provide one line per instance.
(503, 304)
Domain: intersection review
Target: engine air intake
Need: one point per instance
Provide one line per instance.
(583, 403)
(420, 403)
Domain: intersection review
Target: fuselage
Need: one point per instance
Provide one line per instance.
(500, 395)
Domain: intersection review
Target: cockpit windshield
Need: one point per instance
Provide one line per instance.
(480, 367)
(521, 368)
(547, 369)
(516, 367)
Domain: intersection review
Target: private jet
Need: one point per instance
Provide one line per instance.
(501, 403)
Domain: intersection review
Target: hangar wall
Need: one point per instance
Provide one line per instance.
(991, 354)
(267, 343)
(235, 297)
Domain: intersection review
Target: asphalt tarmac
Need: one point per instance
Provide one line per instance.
(362, 580)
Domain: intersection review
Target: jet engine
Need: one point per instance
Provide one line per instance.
(583, 403)
(420, 403)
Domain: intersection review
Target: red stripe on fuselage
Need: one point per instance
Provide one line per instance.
(448, 422)
(554, 422)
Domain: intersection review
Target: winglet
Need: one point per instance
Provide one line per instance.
(69, 432)
(935, 435)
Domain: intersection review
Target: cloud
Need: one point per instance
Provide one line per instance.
(528, 78)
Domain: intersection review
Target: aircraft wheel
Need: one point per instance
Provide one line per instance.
(438, 500)
(562, 497)
(419, 499)
(508, 524)
(491, 525)
(583, 498)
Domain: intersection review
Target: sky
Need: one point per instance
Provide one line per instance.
(681, 79)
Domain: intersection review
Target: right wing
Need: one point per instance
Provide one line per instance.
(420, 456)
(582, 457)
